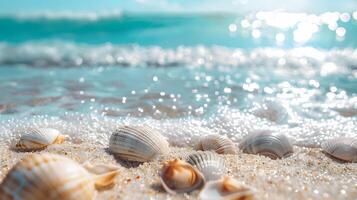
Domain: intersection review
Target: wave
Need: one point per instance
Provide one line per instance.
(49, 15)
(62, 54)
(170, 30)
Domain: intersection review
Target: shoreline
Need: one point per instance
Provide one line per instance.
(307, 174)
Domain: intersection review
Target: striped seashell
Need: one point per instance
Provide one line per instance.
(178, 176)
(218, 143)
(344, 149)
(268, 144)
(209, 163)
(226, 189)
(55, 177)
(39, 138)
(138, 143)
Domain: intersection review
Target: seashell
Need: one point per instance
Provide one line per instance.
(268, 144)
(226, 189)
(39, 138)
(274, 111)
(341, 148)
(210, 164)
(138, 143)
(55, 177)
(218, 143)
(178, 176)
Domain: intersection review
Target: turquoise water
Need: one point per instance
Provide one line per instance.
(219, 72)
(169, 31)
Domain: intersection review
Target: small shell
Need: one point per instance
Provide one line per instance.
(274, 111)
(218, 143)
(39, 138)
(138, 143)
(55, 177)
(268, 144)
(178, 176)
(210, 164)
(341, 148)
(226, 189)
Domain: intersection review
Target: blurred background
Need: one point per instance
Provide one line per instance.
(289, 63)
(234, 23)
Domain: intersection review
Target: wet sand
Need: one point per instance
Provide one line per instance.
(307, 174)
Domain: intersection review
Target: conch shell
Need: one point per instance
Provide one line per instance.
(50, 176)
(178, 176)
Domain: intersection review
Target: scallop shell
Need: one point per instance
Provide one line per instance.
(209, 164)
(39, 138)
(178, 176)
(268, 144)
(55, 177)
(218, 143)
(138, 143)
(226, 189)
(341, 148)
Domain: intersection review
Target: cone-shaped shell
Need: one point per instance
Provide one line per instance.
(55, 177)
(138, 143)
(268, 144)
(39, 138)
(218, 143)
(226, 189)
(341, 148)
(209, 163)
(178, 176)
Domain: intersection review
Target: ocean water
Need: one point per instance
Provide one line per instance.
(185, 74)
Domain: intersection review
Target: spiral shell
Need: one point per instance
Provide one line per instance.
(341, 148)
(55, 177)
(210, 164)
(226, 189)
(218, 143)
(39, 138)
(178, 176)
(268, 144)
(138, 143)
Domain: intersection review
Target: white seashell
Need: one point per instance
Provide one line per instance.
(39, 138)
(178, 176)
(55, 177)
(138, 143)
(341, 148)
(268, 144)
(210, 164)
(274, 111)
(218, 143)
(226, 189)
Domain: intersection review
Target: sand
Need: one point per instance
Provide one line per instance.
(307, 174)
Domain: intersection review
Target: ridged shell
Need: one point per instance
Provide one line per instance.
(268, 144)
(226, 189)
(138, 143)
(178, 176)
(39, 138)
(341, 148)
(210, 164)
(218, 143)
(55, 177)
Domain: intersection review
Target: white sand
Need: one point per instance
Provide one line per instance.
(308, 174)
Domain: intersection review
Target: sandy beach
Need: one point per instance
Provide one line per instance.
(307, 174)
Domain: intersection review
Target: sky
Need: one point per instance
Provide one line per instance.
(239, 6)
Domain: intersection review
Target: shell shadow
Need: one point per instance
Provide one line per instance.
(340, 161)
(17, 150)
(157, 187)
(123, 163)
